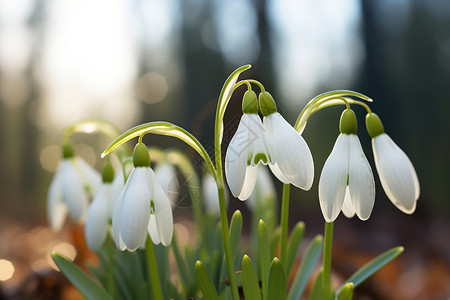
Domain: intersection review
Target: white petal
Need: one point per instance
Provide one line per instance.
(163, 211)
(135, 212)
(56, 209)
(277, 172)
(249, 182)
(97, 220)
(257, 148)
(116, 188)
(116, 221)
(397, 174)
(73, 191)
(153, 230)
(236, 158)
(167, 178)
(361, 182)
(210, 194)
(347, 207)
(290, 151)
(333, 180)
(89, 176)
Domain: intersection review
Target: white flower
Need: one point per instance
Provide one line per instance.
(210, 194)
(292, 161)
(246, 150)
(167, 178)
(100, 211)
(347, 166)
(397, 174)
(142, 207)
(72, 186)
(264, 189)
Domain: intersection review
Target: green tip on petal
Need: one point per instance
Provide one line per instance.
(250, 103)
(267, 104)
(141, 158)
(108, 173)
(348, 123)
(374, 125)
(260, 157)
(67, 151)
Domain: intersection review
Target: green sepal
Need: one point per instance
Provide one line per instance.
(250, 283)
(108, 173)
(374, 125)
(141, 157)
(204, 282)
(85, 284)
(267, 104)
(348, 123)
(250, 103)
(309, 261)
(276, 288)
(346, 292)
(371, 267)
(67, 151)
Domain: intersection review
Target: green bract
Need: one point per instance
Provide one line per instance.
(267, 104)
(141, 158)
(67, 151)
(250, 103)
(348, 124)
(108, 173)
(374, 125)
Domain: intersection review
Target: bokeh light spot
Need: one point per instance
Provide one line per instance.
(50, 157)
(152, 87)
(6, 269)
(64, 249)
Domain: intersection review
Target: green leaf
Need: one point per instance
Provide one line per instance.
(224, 98)
(317, 289)
(295, 239)
(167, 129)
(204, 282)
(309, 261)
(235, 231)
(346, 292)
(250, 282)
(179, 261)
(276, 288)
(88, 287)
(264, 258)
(371, 267)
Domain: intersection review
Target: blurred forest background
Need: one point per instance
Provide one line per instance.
(137, 61)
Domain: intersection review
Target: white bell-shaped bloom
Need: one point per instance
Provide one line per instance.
(397, 174)
(246, 150)
(167, 177)
(210, 194)
(72, 186)
(264, 189)
(142, 197)
(346, 166)
(291, 158)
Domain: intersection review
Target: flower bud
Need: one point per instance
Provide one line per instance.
(108, 173)
(267, 104)
(141, 158)
(374, 125)
(250, 103)
(67, 151)
(348, 123)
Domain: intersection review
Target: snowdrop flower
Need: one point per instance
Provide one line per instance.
(397, 174)
(246, 150)
(101, 209)
(142, 207)
(73, 184)
(210, 194)
(346, 173)
(291, 159)
(167, 178)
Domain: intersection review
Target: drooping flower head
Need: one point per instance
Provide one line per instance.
(99, 214)
(73, 184)
(291, 159)
(142, 207)
(397, 174)
(346, 182)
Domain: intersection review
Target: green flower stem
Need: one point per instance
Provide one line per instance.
(111, 282)
(154, 275)
(328, 241)
(284, 222)
(226, 244)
